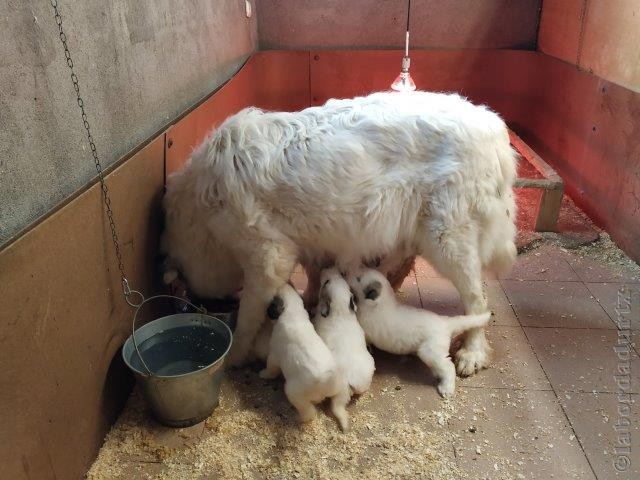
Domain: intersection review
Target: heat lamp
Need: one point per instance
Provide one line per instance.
(404, 82)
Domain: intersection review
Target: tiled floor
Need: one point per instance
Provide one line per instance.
(548, 407)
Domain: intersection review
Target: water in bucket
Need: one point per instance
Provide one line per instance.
(180, 350)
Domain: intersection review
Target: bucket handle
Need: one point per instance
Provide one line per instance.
(135, 316)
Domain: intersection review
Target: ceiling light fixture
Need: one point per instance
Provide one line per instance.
(404, 82)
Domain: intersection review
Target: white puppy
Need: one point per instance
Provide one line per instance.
(296, 350)
(403, 329)
(338, 326)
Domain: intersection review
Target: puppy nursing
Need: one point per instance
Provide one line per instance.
(337, 325)
(332, 360)
(402, 329)
(295, 349)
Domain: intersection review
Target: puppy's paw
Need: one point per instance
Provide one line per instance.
(469, 362)
(345, 427)
(307, 416)
(343, 419)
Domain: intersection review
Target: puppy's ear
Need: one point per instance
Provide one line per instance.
(353, 303)
(372, 291)
(324, 302)
(276, 307)
(325, 308)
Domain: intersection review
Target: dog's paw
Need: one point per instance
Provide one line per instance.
(447, 388)
(469, 362)
(266, 374)
(236, 358)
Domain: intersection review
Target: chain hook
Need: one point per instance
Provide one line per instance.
(128, 293)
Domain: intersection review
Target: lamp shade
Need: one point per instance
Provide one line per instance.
(403, 83)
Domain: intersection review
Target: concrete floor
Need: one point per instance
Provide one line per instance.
(547, 407)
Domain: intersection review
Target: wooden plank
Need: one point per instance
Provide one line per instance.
(542, 183)
(63, 320)
(554, 180)
(549, 211)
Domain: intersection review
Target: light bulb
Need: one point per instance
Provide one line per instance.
(404, 82)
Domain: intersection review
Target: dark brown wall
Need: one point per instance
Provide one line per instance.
(298, 24)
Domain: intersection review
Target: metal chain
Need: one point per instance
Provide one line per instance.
(105, 190)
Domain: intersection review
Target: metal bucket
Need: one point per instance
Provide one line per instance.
(178, 363)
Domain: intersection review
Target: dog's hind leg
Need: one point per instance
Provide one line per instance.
(339, 404)
(454, 254)
(442, 368)
(306, 409)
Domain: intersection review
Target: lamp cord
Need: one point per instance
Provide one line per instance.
(406, 37)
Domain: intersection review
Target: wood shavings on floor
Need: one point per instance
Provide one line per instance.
(606, 253)
(253, 434)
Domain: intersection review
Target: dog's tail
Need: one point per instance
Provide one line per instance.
(463, 323)
(339, 407)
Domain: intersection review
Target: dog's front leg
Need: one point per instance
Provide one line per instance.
(254, 301)
(271, 370)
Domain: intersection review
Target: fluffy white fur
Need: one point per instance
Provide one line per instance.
(295, 349)
(261, 345)
(390, 175)
(338, 327)
(402, 329)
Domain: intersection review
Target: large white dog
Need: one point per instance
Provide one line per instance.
(390, 175)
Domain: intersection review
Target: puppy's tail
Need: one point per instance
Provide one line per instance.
(463, 323)
(339, 407)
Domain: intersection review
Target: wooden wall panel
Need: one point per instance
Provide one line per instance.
(611, 41)
(498, 78)
(304, 24)
(601, 37)
(63, 320)
(588, 129)
(560, 28)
